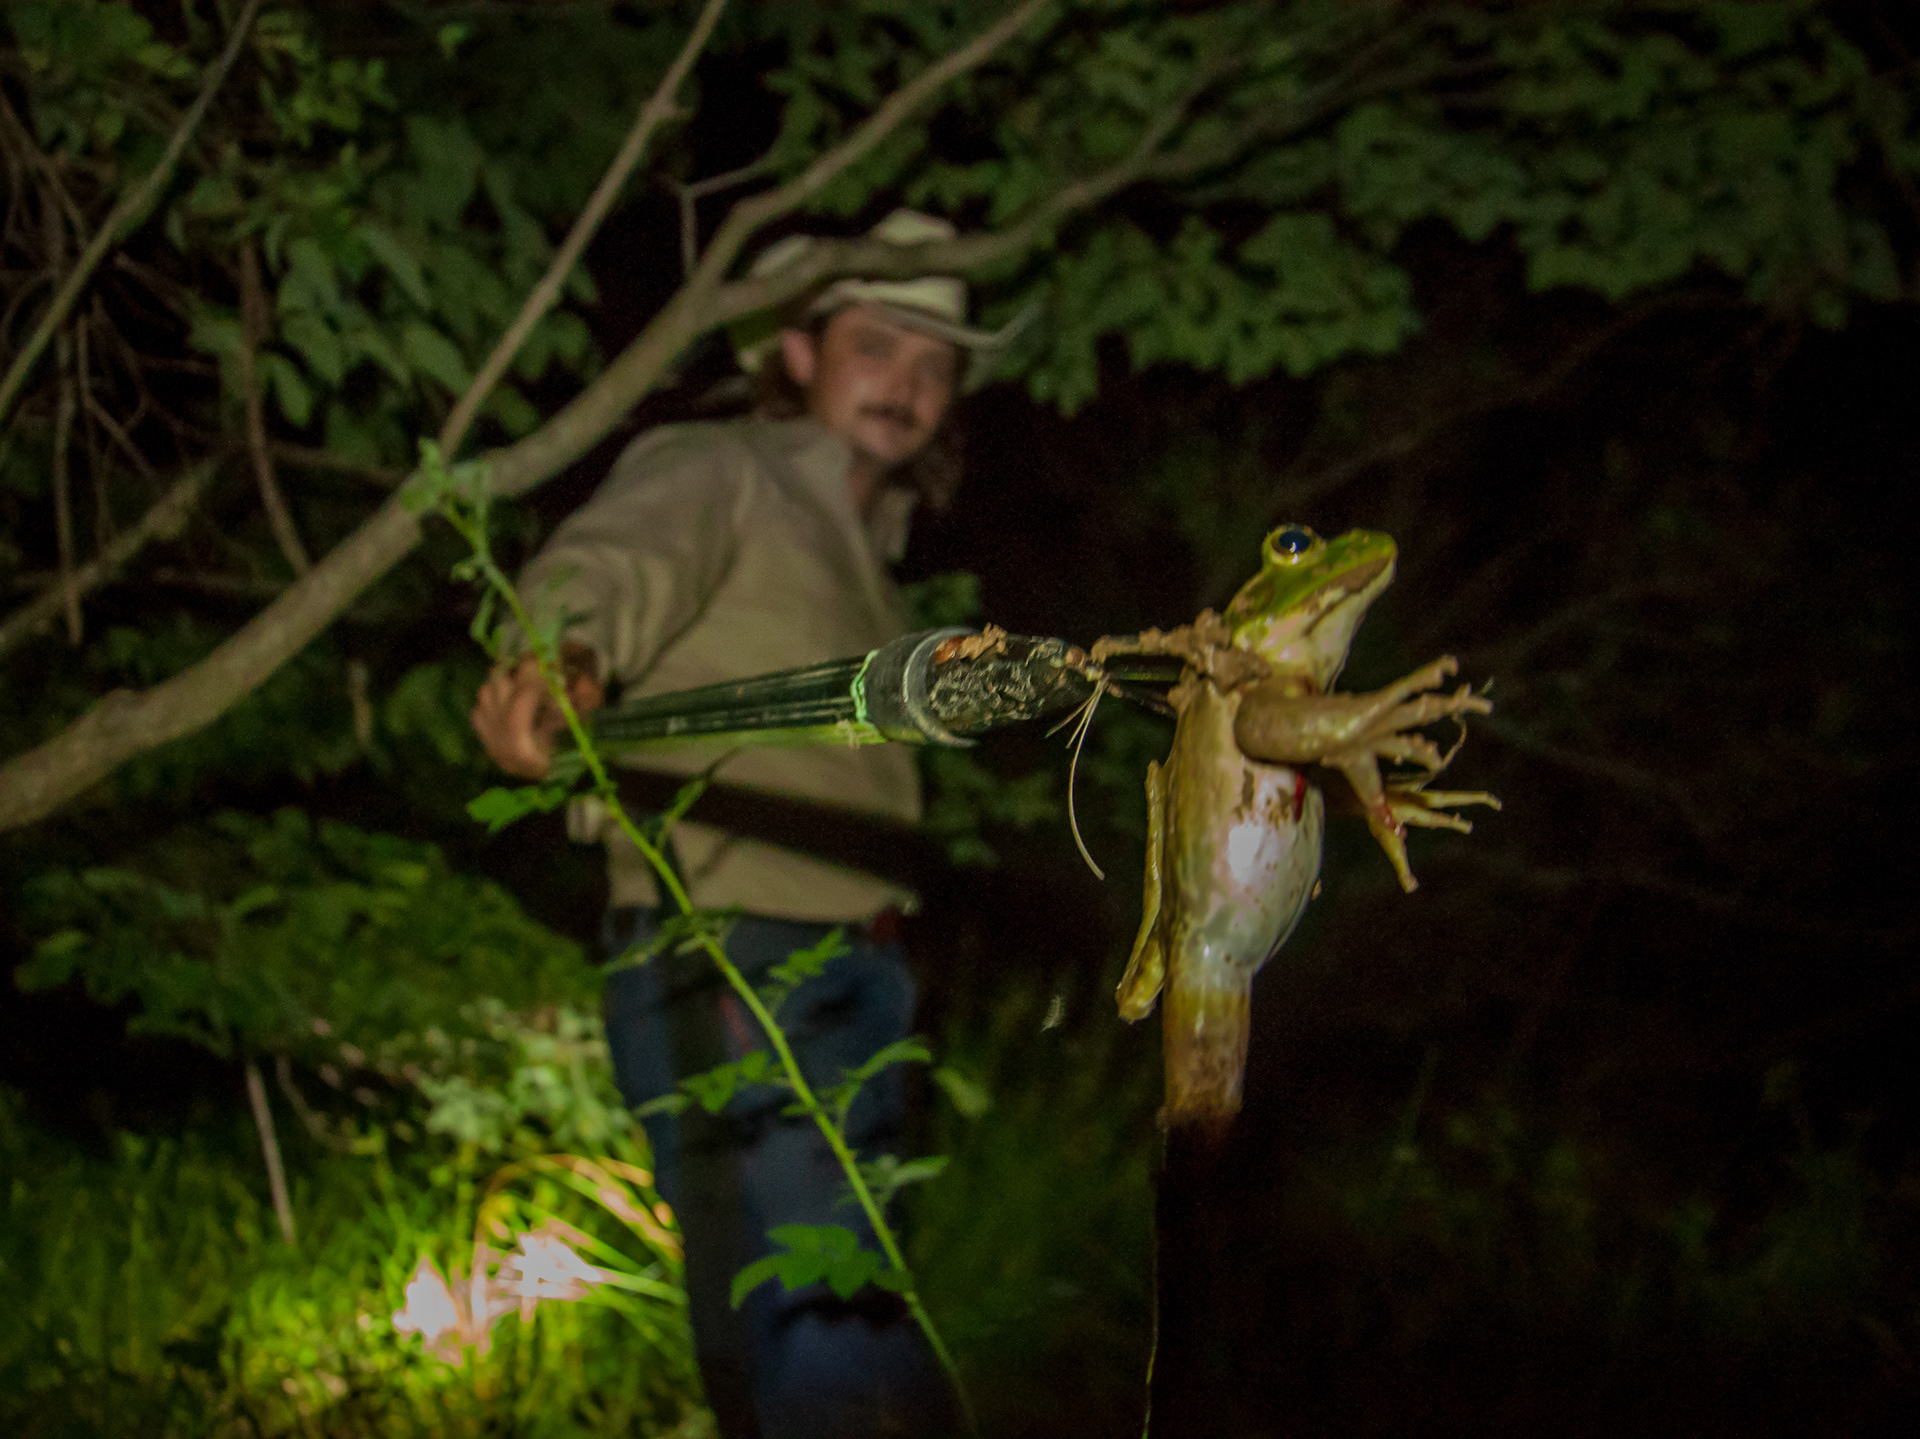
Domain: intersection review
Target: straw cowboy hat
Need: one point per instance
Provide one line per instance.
(933, 305)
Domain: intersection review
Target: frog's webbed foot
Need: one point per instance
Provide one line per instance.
(1391, 805)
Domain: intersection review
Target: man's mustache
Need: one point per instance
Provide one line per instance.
(898, 414)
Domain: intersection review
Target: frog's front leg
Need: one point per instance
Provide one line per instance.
(1147, 969)
(1355, 733)
(1206, 646)
(1280, 726)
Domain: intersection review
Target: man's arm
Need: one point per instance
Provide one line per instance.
(627, 572)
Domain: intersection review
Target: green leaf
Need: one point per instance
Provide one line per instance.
(942, 600)
(317, 343)
(499, 807)
(901, 1051)
(290, 389)
(968, 1096)
(214, 331)
(434, 355)
(399, 262)
(449, 166)
(257, 898)
(816, 1252)
(513, 410)
(715, 1089)
(53, 961)
(756, 1274)
(888, 1175)
(805, 964)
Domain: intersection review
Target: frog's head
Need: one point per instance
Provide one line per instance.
(1300, 612)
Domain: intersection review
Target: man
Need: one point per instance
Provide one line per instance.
(713, 552)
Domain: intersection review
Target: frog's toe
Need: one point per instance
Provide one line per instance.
(1392, 838)
(1455, 798)
(1140, 985)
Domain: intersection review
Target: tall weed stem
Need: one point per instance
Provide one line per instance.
(467, 513)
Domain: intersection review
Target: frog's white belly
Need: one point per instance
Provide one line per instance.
(1247, 854)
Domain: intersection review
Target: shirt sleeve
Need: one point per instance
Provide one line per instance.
(629, 570)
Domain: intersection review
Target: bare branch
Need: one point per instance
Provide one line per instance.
(691, 193)
(704, 302)
(222, 586)
(270, 1150)
(750, 215)
(253, 330)
(1511, 654)
(16, 132)
(1147, 161)
(1296, 492)
(1621, 773)
(659, 107)
(125, 215)
(313, 458)
(315, 1122)
(63, 490)
(118, 434)
(163, 521)
(96, 465)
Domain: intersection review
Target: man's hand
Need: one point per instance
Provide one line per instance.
(516, 719)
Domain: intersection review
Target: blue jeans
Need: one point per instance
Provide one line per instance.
(786, 1365)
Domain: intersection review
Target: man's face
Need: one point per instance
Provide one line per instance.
(879, 386)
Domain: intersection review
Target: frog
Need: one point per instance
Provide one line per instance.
(1236, 814)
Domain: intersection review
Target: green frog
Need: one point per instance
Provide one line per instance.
(1234, 823)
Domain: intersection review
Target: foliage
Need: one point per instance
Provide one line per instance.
(150, 1294)
(1032, 1245)
(285, 936)
(467, 1104)
(1618, 149)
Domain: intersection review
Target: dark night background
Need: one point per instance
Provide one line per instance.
(1611, 1127)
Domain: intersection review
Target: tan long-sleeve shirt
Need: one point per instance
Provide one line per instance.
(714, 552)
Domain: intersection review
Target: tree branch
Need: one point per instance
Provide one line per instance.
(690, 193)
(118, 434)
(1293, 495)
(253, 329)
(1622, 773)
(749, 216)
(312, 457)
(63, 490)
(659, 106)
(124, 724)
(16, 132)
(163, 521)
(270, 1150)
(121, 220)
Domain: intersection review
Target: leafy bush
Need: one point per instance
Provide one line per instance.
(149, 1293)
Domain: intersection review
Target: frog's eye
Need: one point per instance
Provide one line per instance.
(1292, 543)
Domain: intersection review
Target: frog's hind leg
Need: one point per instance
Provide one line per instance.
(1204, 1029)
(1147, 969)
